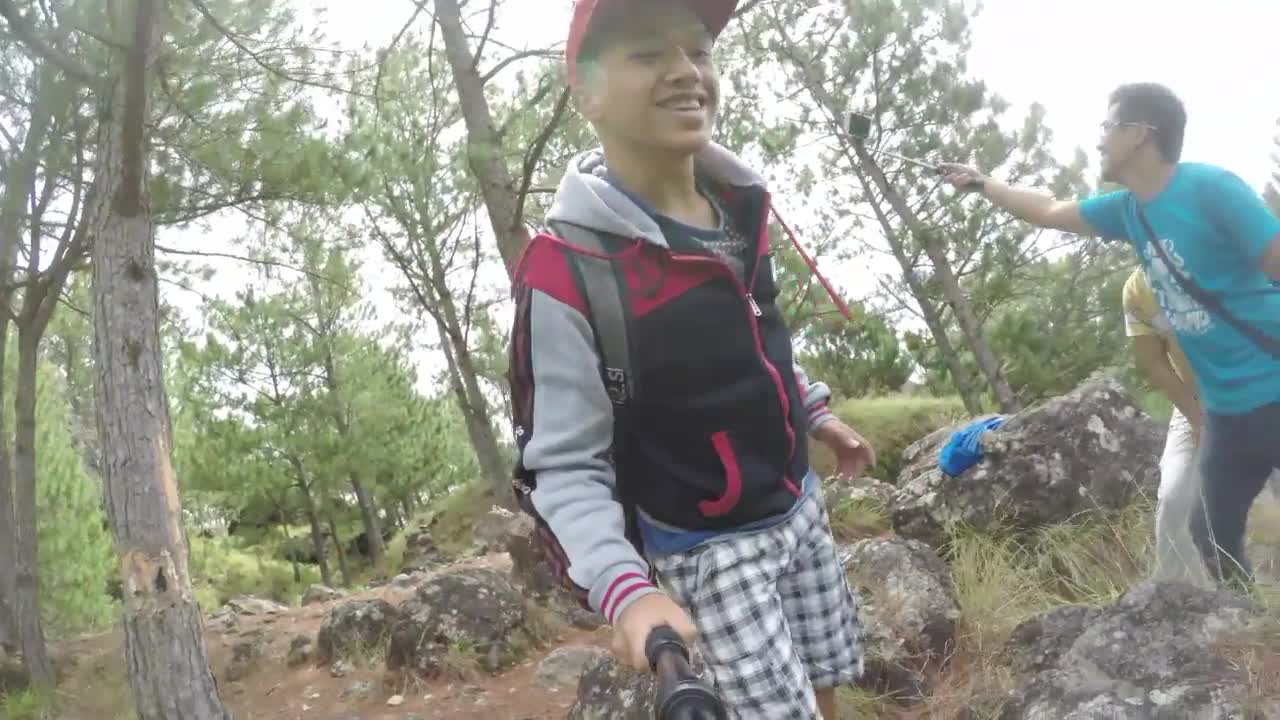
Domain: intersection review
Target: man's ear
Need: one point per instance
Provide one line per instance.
(588, 95)
(588, 102)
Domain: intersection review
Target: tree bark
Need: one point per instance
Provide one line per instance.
(313, 520)
(26, 568)
(932, 317)
(337, 544)
(951, 290)
(475, 410)
(19, 605)
(484, 147)
(8, 558)
(165, 651)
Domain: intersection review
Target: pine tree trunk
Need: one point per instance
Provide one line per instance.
(368, 512)
(951, 290)
(17, 182)
(8, 635)
(337, 545)
(932, 317)
(475, 416)
(484, 145)
(26, 567)
(313, 520)
(165, 651)
(464, 378)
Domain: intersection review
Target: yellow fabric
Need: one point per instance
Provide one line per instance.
(1142, 316)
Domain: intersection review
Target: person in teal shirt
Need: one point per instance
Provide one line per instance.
(1217, 233)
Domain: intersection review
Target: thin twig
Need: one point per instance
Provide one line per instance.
(242, 258)
(535, 152)
(514, 58)
(27, 34)
(203, 9)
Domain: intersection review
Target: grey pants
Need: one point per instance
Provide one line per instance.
(1237, 455)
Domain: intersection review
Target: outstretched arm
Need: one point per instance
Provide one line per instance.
(1097, 216)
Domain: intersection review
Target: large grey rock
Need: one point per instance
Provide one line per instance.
(1091, 449)
(859, 509)
(245, 654)
(564, 667)
(476, 610)
(420, 551)
(355, 628)
(1153, 655)
(315, 594)
(250, 605)
(908, 610)
(609, 690)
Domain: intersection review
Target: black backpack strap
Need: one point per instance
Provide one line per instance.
(609, 313)
(1263, 341)
(607, 308)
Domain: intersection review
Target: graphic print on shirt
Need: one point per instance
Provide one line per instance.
(1183, 312)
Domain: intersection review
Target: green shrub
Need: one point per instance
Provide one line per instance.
(456, 514)
(221, 570)
(28, 705)
(890, 423)
(75, 553)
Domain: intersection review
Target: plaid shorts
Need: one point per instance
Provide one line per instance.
(774, 613)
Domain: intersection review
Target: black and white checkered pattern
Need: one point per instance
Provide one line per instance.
(774, 613)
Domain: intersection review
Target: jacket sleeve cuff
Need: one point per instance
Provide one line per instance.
(818, 416)
(618, 588)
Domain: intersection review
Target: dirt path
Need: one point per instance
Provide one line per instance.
(95, 686)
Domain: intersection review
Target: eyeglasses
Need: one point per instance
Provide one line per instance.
(1109, 125)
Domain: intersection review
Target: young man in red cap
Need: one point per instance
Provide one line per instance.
(709, 467)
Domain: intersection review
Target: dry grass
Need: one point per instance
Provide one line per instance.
(1002, 579)
(854, 519)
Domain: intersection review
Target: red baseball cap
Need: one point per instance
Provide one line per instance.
(714, 14)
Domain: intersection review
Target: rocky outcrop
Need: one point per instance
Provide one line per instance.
(420, 551)
(245, 654)
(1154, 654)
(564, 667)
(908, 611)
(315, 594)
(610, 691)
(474, 611)
(355, 628)
(1091, 449)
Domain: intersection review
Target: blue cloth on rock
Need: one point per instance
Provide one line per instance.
(963, 451)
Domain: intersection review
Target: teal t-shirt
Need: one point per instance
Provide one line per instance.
(1215, 229)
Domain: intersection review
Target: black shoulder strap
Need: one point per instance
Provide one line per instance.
(608, 312)
(1264, 342)
(607, 309)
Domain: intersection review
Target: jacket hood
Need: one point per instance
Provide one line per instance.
(587, 199)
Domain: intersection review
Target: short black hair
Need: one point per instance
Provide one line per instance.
(1155, 105)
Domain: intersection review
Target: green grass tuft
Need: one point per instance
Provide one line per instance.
(890, 423)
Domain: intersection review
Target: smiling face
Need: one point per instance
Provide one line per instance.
(651, 84)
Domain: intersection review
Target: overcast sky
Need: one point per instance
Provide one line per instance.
(1219, 57)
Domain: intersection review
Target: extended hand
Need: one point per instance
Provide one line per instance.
(853, 453)
(962, 177)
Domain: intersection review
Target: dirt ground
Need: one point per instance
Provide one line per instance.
(95, 686)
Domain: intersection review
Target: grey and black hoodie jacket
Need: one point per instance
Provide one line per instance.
(715, 437)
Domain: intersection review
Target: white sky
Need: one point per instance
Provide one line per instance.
(1219, 57)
